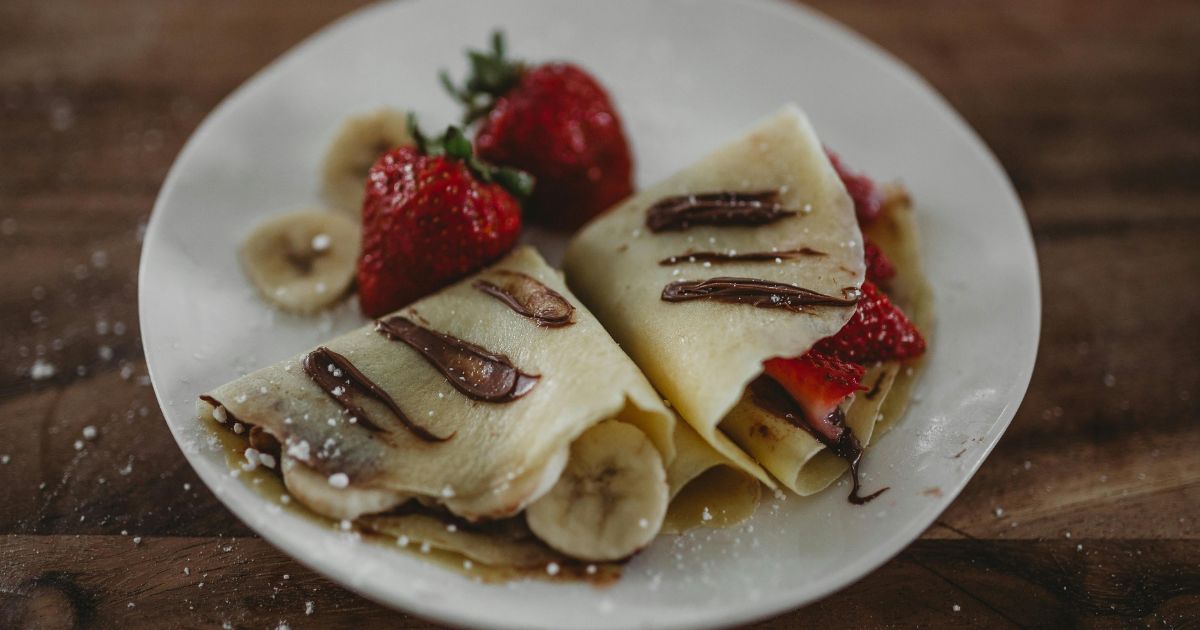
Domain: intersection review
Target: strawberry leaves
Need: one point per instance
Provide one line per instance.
(455, 145)
(492, 74)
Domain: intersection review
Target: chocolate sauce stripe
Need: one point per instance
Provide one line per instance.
(530, 298)
(473, 370)
(759, 293)
(724, 208)
(729, 257)
(320, 364)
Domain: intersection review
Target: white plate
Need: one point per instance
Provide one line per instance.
(686, 77)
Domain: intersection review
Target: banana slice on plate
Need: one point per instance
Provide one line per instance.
(610, 500)
(320, 495)
(359, 142)
(303, 261)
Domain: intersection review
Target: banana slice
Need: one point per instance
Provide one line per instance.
(328, 498)
(303, 261)
(611, 499)
(512, 495)
(359, 142)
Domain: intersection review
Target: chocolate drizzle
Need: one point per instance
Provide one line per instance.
(337, 376)
(471, 369)
(772, 398)
(731, 257)
(530, 298)
(675, 214)
(760, 293)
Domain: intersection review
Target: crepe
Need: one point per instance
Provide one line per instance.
(792, 454)
(482, 456)
(507, 543)
(766, 208)
(797, 459)
(895, 232)
(707, 489)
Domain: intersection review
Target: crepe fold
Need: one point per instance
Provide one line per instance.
(793, 456)
(895, 232)
(702, 353)
(791, 453)
(706, 488)
(478, 459)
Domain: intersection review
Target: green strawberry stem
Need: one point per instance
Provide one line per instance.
(454, 145)
(491, 76)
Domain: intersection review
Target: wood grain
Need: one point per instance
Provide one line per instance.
(1085, 514)
(150, 581)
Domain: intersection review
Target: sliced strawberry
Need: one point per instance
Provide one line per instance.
(878, 331)
(868, 201)
(879, 268)
(818, 383)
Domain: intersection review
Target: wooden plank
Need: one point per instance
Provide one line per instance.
(113, 581)
(1108, 429)
(1087, 105)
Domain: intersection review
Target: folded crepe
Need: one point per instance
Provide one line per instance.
(895, 232)
(792, 454)
(706, 488)
(752, 253)
(498, 395)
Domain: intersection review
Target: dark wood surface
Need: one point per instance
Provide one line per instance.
(1087, 513)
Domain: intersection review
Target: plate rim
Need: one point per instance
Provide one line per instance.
(886, 548)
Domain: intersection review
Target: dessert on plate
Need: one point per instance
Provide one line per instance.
(758, 321)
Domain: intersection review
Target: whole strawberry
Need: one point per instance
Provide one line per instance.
(878, 331)
(432, 214)
(554, 121)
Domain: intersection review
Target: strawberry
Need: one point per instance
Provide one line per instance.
(878, 331)
(818, 383)
(433, 214)
(879, 268)
(868, 201)
(554, 121)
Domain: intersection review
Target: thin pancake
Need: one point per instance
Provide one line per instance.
(497, 456)
(792, 454)
(896, 234)
(706, 488)
(508, 544)
(797, 459)
(702, 353)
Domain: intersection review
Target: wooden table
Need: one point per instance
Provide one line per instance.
(1087, 513)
